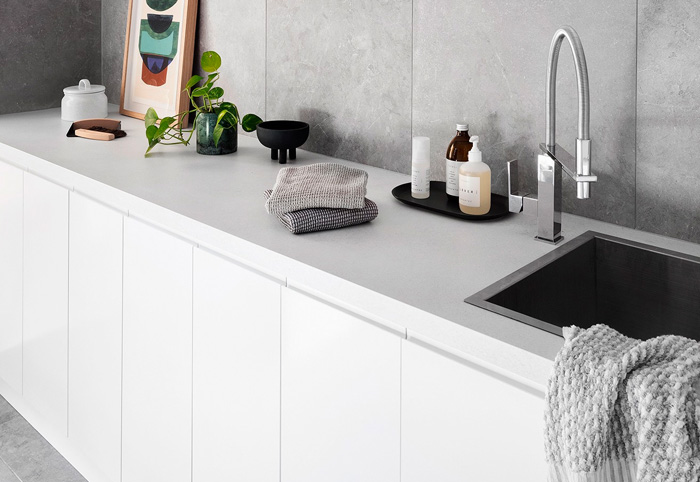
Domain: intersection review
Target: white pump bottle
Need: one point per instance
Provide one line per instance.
(474, 183)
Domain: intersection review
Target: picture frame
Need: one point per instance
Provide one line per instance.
(158, 55)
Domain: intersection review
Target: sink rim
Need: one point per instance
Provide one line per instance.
(480, 298)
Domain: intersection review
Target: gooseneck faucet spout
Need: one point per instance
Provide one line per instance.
(554, 159)
(583, 142)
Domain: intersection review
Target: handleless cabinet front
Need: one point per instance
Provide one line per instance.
(11, 203)
(236, 364)
(460, 422)
(157, 356)
(340, 395)
(95, 334)
(45, 330)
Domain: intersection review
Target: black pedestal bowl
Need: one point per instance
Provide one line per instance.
(283, 135)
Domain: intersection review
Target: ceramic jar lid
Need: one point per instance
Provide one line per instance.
(84, 87)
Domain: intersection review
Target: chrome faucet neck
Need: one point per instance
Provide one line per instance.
(584, 106)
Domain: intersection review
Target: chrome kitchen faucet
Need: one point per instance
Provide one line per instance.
(553, 157)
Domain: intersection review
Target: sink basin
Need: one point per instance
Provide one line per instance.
(640, 290)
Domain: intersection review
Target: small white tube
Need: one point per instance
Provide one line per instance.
(420, 168)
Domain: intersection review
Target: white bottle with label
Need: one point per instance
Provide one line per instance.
(457, 154)
(420, 168)
(474, 183)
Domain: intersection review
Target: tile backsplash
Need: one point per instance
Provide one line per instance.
(367, 75)
(45, 47)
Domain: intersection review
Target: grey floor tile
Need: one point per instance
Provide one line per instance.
(28, 454)
(6, 475)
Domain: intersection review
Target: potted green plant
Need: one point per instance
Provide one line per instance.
(216, 121)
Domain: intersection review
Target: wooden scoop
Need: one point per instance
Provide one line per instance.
(97, 129)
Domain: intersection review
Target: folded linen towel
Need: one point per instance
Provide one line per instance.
(620, 409)
(324, 185)
(322, 219)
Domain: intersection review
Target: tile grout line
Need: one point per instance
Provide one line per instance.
(21, 384)
(413, 55)
(636, 112)
(10, 469)
(266, 59)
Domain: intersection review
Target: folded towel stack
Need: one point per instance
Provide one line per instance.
(318, 197)
(620, 409)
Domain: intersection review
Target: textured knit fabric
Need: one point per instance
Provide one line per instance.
(325, 185)
(620, 409)
(322, 219)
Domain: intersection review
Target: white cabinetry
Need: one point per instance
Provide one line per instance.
(340, 395)
(460, 423)
(45, 330)
(236, 363)
(95, 334)
(11, 202)
(157, 356)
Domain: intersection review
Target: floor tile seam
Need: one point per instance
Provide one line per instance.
(10, 469)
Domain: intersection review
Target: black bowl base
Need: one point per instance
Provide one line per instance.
(281, 154)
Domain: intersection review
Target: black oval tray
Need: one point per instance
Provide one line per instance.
(440, 202)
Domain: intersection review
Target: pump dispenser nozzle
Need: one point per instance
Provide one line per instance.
(475, 153)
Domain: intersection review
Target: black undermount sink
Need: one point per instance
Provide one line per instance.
(640, 290)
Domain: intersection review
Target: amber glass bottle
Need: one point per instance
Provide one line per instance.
(457, 153)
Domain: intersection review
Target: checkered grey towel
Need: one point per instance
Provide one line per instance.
(322, 219)
(323, 185)
(623, 410)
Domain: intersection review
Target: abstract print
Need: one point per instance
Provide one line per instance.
(158, 41)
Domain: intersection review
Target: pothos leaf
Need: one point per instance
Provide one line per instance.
(151, 132)
(151, 145)
(211, 78)
(211, 61)
(194, 80)
(218, 130)
(151, 117)
(231, 107)
(200, 91)
(165, 124)
(250, 122)
(216, 93)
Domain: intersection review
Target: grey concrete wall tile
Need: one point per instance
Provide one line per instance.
(345, 68)
(668, 128)
(114, 17)
(236, 30)
(46, 46)
(485, 63)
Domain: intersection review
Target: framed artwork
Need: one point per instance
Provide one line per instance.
(158, 56)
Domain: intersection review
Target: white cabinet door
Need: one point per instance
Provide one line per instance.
(11, 202)
(340, 395)
(236, 364)
(45, 359)
(95, 334)
(157, 356)
(460, 423)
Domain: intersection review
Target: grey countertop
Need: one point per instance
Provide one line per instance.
(424, 260)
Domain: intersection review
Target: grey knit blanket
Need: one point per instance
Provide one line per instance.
(324, 185)
(323, 219)
(620, 409)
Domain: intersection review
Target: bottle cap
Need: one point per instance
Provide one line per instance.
(474, 153)
(462, 127)
(421, 149)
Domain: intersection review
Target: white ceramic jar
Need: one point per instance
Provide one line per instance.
(84, 101)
